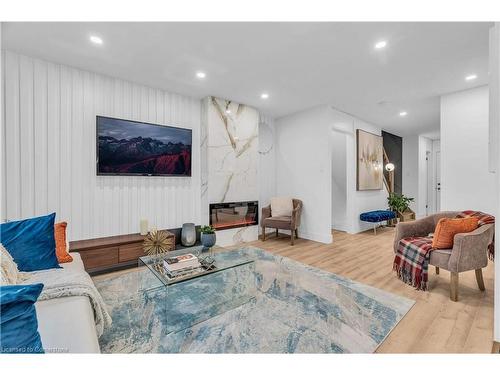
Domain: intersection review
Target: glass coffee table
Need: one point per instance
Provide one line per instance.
(197, 296)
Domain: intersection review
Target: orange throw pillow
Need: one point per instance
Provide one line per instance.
(61, 250)
(447, 228)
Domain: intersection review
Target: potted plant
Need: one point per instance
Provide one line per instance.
(208, 236)
(400, 204)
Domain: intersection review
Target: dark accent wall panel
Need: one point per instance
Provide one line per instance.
(393, 146)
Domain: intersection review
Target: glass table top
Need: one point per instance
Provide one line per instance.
(221, 263)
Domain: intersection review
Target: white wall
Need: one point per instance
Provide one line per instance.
(410, 169)
(494, 142)
(340, 220)
(436, 150)
(424, 147)
(303, 168)
(50, 150)
(305, 149)
(356, 202)
(416, 183)
(267, 160)
(2, 135)
(465, 179)
(361, 201)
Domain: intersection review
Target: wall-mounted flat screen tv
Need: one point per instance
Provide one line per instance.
(134, 148)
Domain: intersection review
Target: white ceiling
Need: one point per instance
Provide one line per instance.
(300, 65)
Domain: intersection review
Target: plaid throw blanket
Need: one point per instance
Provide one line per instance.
(411, 262)
(482, 219)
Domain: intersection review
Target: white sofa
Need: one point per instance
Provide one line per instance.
(67, 324)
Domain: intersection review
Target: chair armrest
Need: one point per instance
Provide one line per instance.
(417, 228)
(266, 212)
(470, 250)
(297, 211)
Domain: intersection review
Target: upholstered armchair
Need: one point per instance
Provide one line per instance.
(290, 223)
(469, 252)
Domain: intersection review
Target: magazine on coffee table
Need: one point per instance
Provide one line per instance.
(192, 266)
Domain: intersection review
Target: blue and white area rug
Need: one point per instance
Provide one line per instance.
(273, 305)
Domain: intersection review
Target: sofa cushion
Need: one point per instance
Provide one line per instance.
(10, 273)
(31, 242)
(18, 319)
(447, 228)
(281, 206)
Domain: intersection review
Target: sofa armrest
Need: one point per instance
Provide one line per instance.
(470, 250)
(417, 228)
(266, 212)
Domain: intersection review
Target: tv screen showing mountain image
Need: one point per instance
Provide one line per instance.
(136, 148)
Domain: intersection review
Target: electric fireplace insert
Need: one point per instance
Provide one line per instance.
(234, 214)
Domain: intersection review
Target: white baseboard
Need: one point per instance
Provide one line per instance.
(325, 238)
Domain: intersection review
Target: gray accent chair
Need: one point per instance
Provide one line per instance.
(469, 252)
(290, 223)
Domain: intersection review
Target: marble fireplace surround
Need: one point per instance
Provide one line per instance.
(229, 161)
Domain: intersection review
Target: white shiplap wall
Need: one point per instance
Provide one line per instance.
(50, 150)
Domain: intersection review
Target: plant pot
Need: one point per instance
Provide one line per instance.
(208, 239)
(407, 215)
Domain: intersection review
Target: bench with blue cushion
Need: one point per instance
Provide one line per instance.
(377, 217)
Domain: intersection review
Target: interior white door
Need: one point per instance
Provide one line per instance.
(438, 181)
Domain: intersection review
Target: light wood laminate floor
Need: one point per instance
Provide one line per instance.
(434, 324)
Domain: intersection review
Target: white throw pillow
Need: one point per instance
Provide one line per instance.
(10, 273)
(281, 206)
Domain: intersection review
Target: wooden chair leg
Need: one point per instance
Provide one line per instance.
(291, 237)
(263, 233)
(496, 347)
(454, 286)
(296, 233)
(277, 233)
(437, 270)
(479, 279)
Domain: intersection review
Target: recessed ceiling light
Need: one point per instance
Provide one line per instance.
(471, 77)
(228, 111)
(381, 44)
(403, 113)
(95, 39)
(264, 95)
(200, 75)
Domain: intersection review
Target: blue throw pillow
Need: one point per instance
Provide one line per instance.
(31, 242)
(18, 321)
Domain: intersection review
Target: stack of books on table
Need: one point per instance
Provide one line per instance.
(181, 265)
